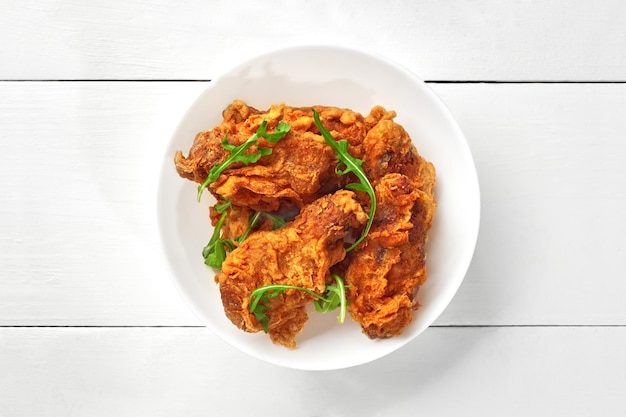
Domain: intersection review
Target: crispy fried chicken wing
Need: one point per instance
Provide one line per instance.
(299, 254)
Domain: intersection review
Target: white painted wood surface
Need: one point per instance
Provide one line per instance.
(451, 40)
(90, 323)
(557, 372)
(79, 223)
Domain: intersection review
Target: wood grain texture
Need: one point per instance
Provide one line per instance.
(79, 243)
(90, 322)
(188, 372)
(453, 40)
(78, 215)
(550, 160)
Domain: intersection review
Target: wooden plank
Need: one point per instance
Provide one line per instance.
(452, 40)
(553, 194)
(80, 163)
(79, 244)
(178, 371)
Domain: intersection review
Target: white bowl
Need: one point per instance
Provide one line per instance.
(305, 76)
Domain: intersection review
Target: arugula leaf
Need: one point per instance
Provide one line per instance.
(333, 297)
(214, 252)
(253, 221)
(260, 300)
(350, 165)
(221, 208)
(237, 152)
(278, 222)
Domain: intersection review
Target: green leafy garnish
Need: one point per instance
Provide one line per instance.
(214, 252)
(237, 152)
(334, 297)
(278, 222)
(253, 221)
(353, 165)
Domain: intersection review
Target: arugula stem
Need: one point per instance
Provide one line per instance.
(343, 306)
(237, 152)
(334, 297)
(216, 170)
(214, 252)
(353, 165)
(251, 225)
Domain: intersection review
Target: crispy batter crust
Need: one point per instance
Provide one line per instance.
(300, 169)
(299, 254)
(383, 273)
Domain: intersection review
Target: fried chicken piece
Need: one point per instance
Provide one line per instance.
(384, 273)
(300, 169)
(299, 254)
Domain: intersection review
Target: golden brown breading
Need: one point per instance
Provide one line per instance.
(299, 254)
(384, 273)
(207, 150)
(300, 169)
(388, 148)
(236, 221)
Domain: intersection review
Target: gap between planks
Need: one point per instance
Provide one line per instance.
(426, 81)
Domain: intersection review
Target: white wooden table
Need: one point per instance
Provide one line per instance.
(90, 323)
